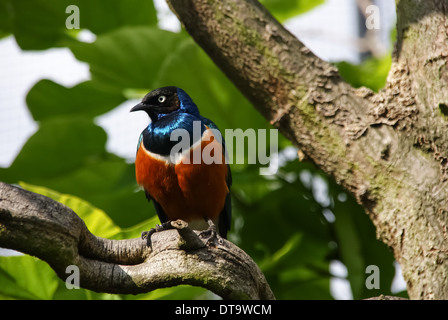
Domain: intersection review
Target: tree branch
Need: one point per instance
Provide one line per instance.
(376, 145)
(37, 225)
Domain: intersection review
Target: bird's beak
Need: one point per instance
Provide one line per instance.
(138, 107)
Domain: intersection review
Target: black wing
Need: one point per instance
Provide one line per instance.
(225, 218)
(159, 210)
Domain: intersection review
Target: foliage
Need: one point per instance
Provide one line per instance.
(283, 10)
(372, 73)
(292, 230)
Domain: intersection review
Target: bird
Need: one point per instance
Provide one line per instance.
(179, 185)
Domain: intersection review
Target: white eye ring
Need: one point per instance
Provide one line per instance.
(161, 99)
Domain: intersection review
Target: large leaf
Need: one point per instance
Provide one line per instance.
(26, 277)
(130, 57)
(101, 16)
(41, 24)
(86, 98)
(59, 146)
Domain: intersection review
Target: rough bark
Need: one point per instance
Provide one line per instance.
(39, 226)
(389, 149)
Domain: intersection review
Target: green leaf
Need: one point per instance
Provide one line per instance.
(86, 98)
(5, 18)
(26, 277)
(372, 73)
(283, 10)
(59, 146)
(129, 57)
(288, 248)
(102, 16)
(47, 27)
(41, 24)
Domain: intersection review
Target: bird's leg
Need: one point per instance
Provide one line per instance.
(211, 233)
(159, 227)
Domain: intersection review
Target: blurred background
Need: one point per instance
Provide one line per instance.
(66, 132)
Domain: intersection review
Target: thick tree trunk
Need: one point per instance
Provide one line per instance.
(389, 149)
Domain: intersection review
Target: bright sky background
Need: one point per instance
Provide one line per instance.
(328, 31)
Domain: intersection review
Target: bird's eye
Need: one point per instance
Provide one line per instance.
(161, 99)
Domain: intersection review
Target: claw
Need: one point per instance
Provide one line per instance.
(146, 235)
(211, 234)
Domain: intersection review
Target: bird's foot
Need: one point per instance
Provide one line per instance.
(146, 235)
(211, 234)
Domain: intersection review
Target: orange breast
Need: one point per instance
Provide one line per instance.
(188, 191)
(159, 179)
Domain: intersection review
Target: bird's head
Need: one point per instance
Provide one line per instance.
(164, 101)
